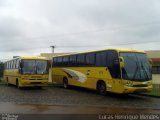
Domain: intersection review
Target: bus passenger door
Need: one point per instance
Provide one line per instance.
(114, 69)
(116, 79)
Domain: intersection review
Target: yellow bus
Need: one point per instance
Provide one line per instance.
(26, 71)
(119, 71)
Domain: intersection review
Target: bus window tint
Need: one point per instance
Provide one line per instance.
(13, 66)
(59, 59)
(80, 59)
(90, 59)
(72, 60)
(65, 60)
(8, 65)
(17, 64)
(59, 62)
(55, 60)
(101, 59)
(29, 67)
(41, 66)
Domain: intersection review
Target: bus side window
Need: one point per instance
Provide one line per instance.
(90, 59)
(81, 60)
(59, 61)
(9, 65)
(114, 69)
(65, 60)
(55, 60)
(14, 62)
(72, 60)
(4, 65)
(17, 64)
(101, 59)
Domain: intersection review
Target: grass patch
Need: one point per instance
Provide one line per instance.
(2, 81)
(154, 92)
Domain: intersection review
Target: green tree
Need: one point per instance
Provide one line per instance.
(1, 69)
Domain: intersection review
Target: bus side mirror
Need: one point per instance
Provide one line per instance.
(121, 61)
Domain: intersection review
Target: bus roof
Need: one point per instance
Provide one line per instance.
(33, 57)
(116, 49)
(29, 58)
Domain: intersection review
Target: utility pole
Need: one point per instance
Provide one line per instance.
(50, 70)
(52, 48)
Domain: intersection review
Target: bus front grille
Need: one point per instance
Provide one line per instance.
(35, 79)
(35, 82)
(140, 85)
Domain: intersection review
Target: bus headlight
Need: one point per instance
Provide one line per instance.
(129, 84)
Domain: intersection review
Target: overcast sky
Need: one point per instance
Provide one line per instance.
(29, 27)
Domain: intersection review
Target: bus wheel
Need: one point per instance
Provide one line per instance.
(65, 83)
(101, 88)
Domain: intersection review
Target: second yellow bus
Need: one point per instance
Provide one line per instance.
(27, 71)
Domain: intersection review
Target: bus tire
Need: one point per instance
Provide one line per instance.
(101, 88)
(65, 83)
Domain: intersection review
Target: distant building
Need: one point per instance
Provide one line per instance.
(154, 55)
(49, 56)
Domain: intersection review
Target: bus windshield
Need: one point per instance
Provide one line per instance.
(137, 67)
(34, 67)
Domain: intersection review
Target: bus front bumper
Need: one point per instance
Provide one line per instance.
(137, 89)
(28, 83)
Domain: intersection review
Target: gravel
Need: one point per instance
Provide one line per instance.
(55, 95)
